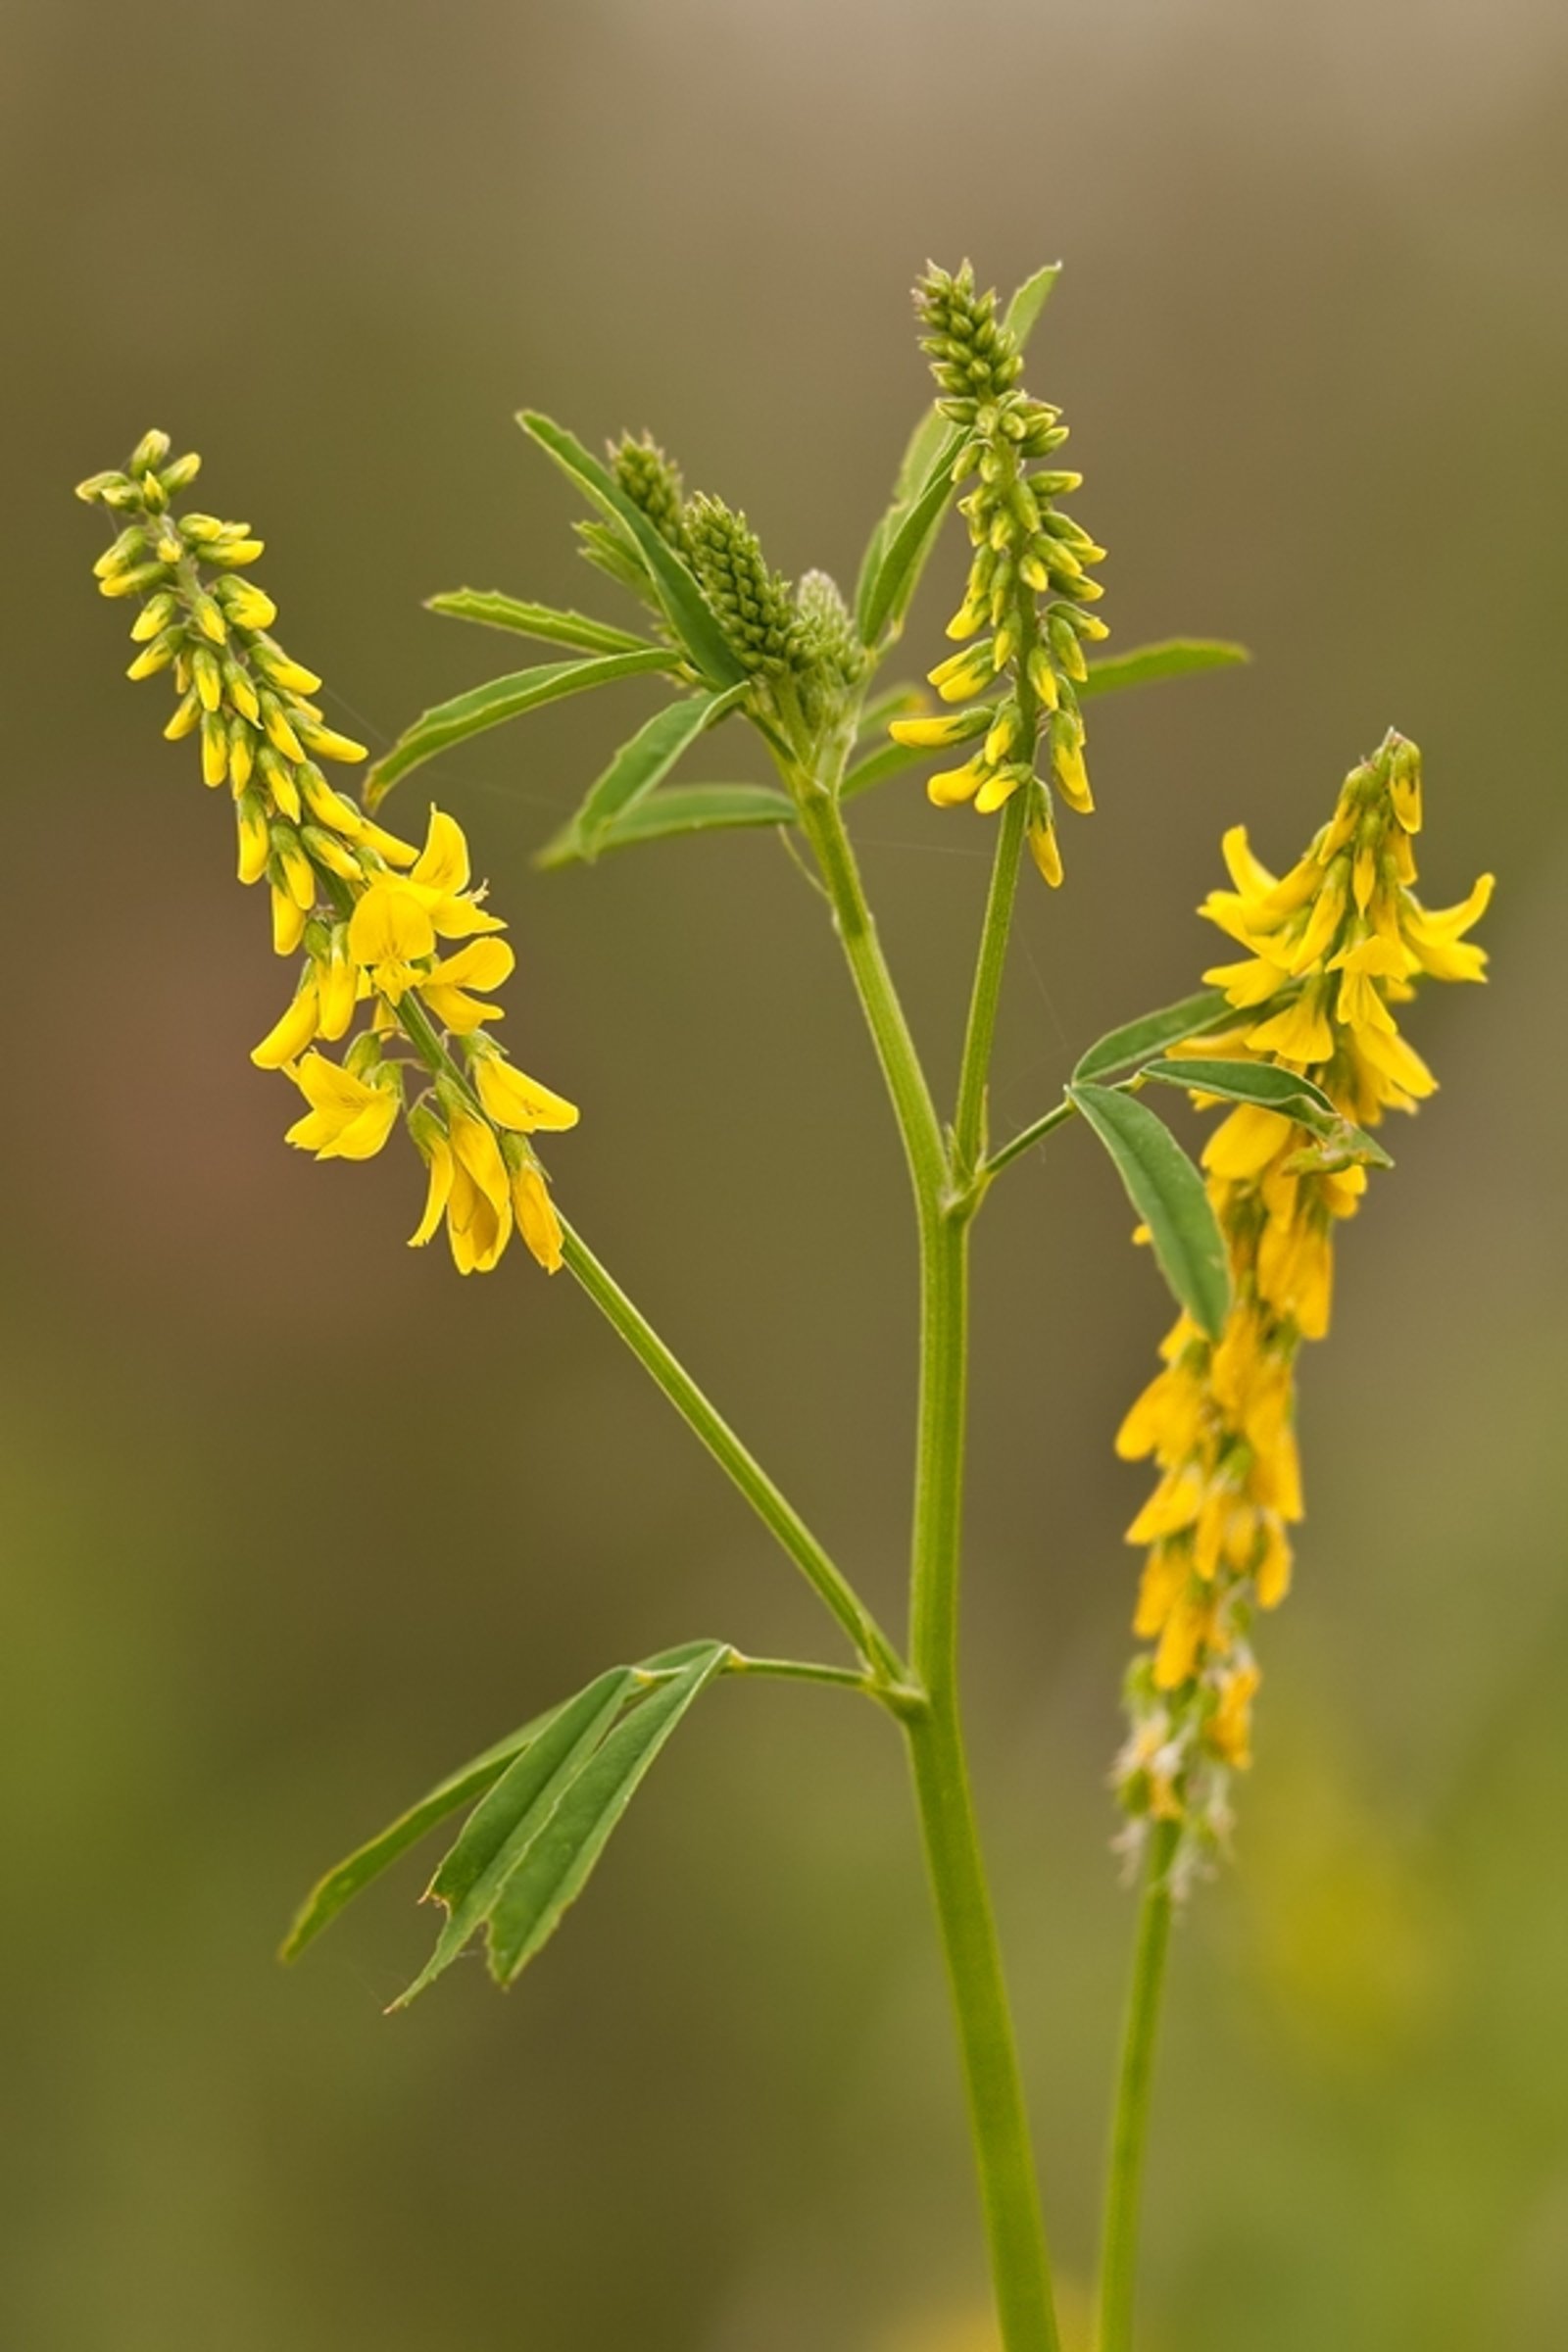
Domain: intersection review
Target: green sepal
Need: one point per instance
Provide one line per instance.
(1168, 1193)
(496, 610)
(1140, 1041)
(1171, 658)
(688, 610)
(639, 767)
(491, 705)
(677, 809)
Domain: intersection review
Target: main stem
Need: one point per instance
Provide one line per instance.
(1118, 2260)
(1009, 2189)
(1004, 2154)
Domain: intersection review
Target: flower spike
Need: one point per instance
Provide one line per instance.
(370, 911)
(1022, 621)
(1332, 947)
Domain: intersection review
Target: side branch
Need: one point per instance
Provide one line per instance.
(776, 1513)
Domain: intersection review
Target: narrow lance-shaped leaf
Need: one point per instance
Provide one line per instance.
(644, 763)
(894, 574)
(891, 760)
(1267, 1087)
(561, 1856)
(338, 1886)
(690, 615)
(494, 610)
(1029, 301)
(498, 1834)
(1171, 658)
(490, 706)
(1168, 1195)
(1152, 1032)
(677, 809)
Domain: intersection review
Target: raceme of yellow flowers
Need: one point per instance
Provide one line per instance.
(1343, 940)
(1027, 586)
(371, 914)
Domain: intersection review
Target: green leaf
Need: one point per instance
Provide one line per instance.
(498, 611)
(920, 454)
(339, 1886)
(499, 1832)
(690, 615)
(875, 768)
(1262, 1083)
(895, 574)
(1168, 1195)
(1140, 1041)
(491, 705)
(680, 809)
(1171, 658)
(1029, 301)
(1268, 1086)
(561, 1856)
(643, 764)
(906, 701)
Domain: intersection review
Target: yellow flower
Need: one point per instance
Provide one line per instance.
(349, 1118)
(1345, 933)
(289, 1036)
(516, 1102)
(370, 910)
(537, 1221)
(482, 964)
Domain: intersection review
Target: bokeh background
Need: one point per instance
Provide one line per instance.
(295, 1520)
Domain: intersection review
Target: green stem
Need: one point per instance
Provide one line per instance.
(1118, 2261)
(919, 1124)
(902, 1697)
(993, 2082)
(1010, 2191)
(1027, 1137)
(710, 1425)
(969, 1119)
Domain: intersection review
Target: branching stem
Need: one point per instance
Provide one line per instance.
(701, 1415)
(992, 2081)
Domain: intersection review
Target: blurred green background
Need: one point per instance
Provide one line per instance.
(296, 1520)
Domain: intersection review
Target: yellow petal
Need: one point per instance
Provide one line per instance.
(474, 1143)
(483, 963)
(390, 925)
(537, 1221)
(436, 1197)
(442, 864)
(288, 1037)
(518, 1102)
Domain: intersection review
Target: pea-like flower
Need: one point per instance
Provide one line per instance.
(1332, 948)
(1027, 586)
(370, 911)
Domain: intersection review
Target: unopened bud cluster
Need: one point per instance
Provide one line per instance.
(1331, 949)
(367, 909)
(1022, 622)
(798, 645)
